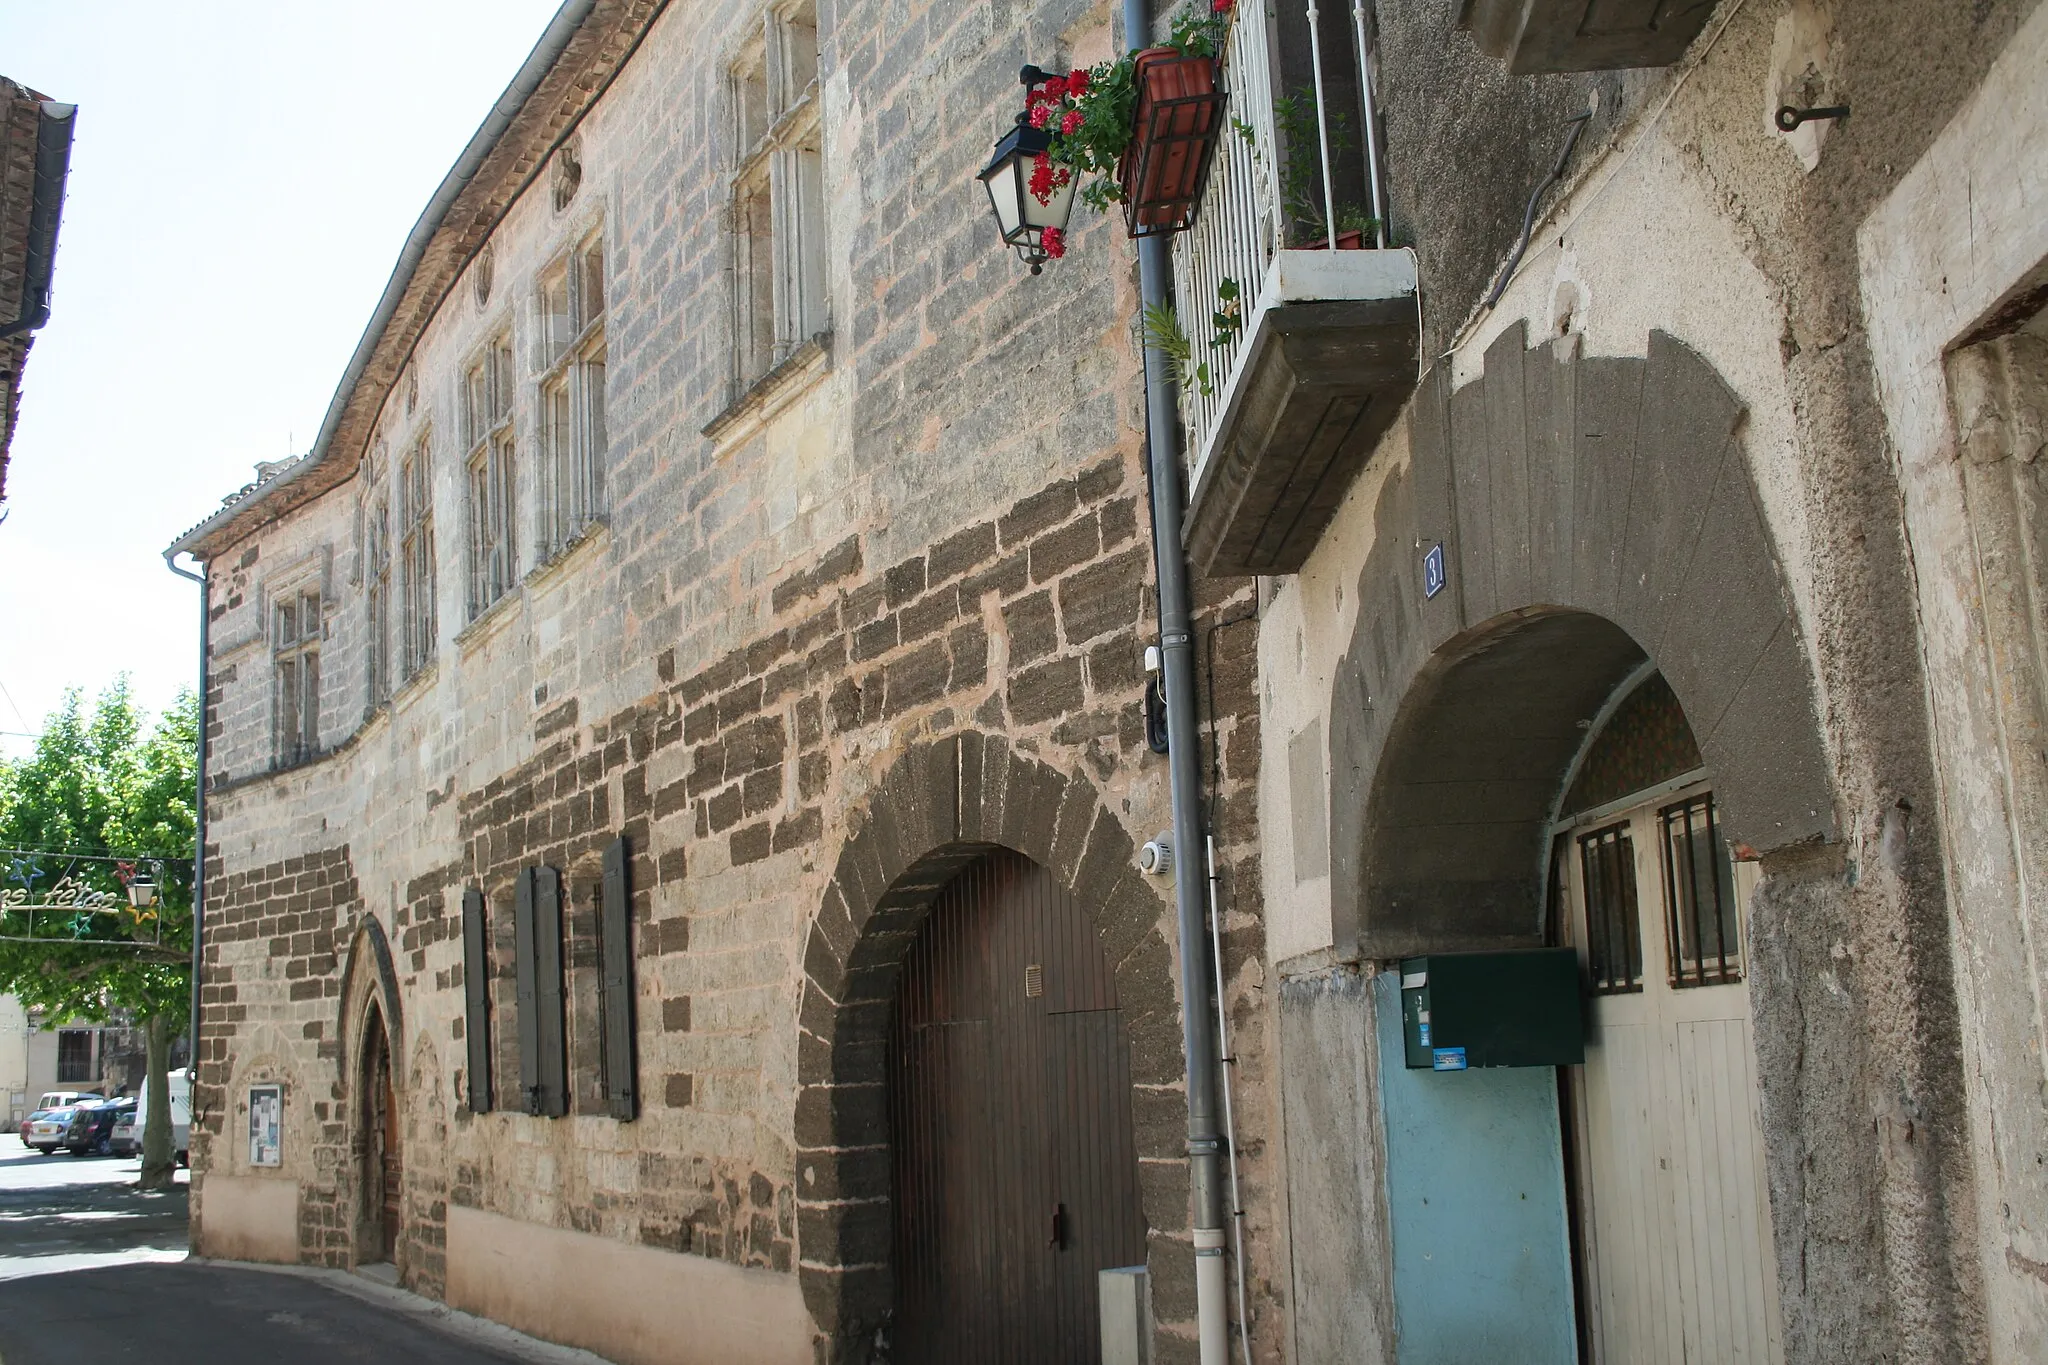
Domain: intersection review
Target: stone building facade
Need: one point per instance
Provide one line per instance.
(835, 620)
(1668, 593)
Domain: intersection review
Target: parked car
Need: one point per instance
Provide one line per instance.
(53, 1099)
(46, 1134)
(129, 1126)
(92, 1127)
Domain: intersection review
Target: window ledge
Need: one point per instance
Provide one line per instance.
(774, 390)
(422, 677)
(492, 619)
(595, 533)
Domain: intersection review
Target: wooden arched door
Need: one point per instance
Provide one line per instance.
(383, 1154)
(1016, 1172)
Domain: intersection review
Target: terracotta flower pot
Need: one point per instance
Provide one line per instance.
(1353, 240)
(1179, 114)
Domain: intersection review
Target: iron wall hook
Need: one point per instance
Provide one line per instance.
(1789, 118)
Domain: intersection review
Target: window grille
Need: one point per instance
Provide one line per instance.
(573, 435)
(487, 427)
(74, 1056)
(1699, 883)
(1614, 946)
(778, 195)
(416, 554)
(296, 643)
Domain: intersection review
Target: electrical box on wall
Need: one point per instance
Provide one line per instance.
(1468, 1010)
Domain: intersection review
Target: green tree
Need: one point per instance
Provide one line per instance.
(101, 799)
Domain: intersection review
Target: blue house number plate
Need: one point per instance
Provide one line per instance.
(1448, 1059)
(1433, 571)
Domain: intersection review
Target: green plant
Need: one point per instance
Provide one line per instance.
(1092, 114)
(1163, 333)
(1301, 185)
(1228, 319)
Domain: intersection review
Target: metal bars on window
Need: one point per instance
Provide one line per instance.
(1699, 884)
(1614, 941)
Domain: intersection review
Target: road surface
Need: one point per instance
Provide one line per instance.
(92, 1269)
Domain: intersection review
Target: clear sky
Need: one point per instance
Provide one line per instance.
(243, 176)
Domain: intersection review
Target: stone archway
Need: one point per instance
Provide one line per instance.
(1590, 512)
(939, 807)
(372, 1032)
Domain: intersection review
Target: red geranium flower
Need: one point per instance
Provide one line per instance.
(1042, 182)
(1053, 242)
(1041, 115)
(1056, 88)
(1077, 82)
(1222, 6)
(1069, 121)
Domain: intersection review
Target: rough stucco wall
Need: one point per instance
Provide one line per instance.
(1958, 242)
(1698, 217)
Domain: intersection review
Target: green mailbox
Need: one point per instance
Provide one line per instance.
(1463, 1010)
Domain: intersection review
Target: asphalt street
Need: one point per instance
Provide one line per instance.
(93, 1269)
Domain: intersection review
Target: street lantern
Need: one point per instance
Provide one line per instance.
(141, 891)
(1023, 217)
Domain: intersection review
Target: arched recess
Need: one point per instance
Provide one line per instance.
(369, 974)
(1592, 511)
(941, 805)
(369, 1006)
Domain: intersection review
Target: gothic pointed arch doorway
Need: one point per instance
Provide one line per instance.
(382, 1154)
(1016, 1169)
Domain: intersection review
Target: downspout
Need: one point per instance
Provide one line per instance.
(46, 210)
(198, 806)
(1183, 762)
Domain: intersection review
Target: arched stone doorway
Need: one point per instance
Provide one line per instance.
(381, 1150)
(1565, 526)
(374, 1086)
(938, 809)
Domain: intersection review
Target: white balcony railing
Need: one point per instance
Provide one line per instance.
(1301, 327)
(1239, 225)
(1243, 214)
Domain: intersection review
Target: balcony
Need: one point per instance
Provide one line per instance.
(1537, 36)
(1301, 343)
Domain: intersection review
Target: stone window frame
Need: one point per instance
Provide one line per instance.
(570, 302)
(418, 579)
(297, 615)
(780, 295)
(373, 572)
(490, 470)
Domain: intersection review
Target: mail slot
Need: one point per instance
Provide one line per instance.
(1466, 1010)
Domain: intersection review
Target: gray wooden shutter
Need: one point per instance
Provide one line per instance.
(615, 942)
(528, 1021)
(550, 1025)
(476, 992)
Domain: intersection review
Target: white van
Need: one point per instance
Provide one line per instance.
(128, 1129)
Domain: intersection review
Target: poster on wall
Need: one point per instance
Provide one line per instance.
(266, 1124)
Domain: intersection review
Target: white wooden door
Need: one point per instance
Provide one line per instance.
(1674, 1215)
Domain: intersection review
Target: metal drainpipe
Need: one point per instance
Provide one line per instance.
(1177, 657)
(198, 808)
